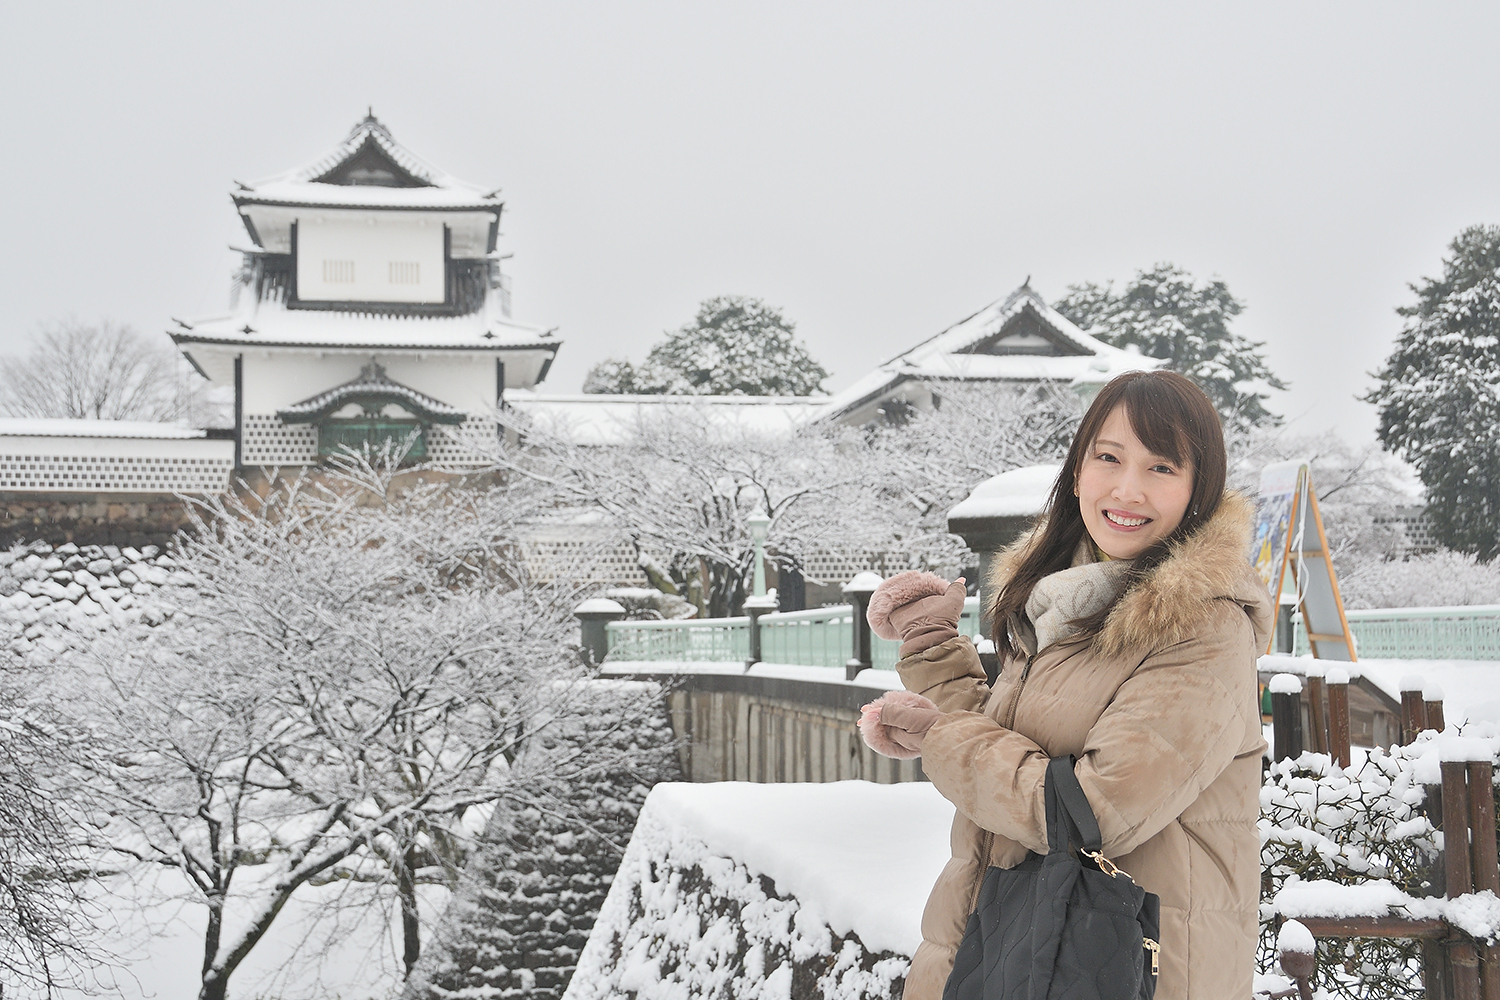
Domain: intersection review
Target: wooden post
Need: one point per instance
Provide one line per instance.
(1486, 869)
(1338, 714)
(1457, 871)
(1315, 712)
(1286, 716)
(1413, 709)
(1432, 701)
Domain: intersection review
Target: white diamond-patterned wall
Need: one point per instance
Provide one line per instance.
(267, 441)
(62, 465)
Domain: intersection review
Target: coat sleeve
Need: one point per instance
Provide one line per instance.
(949, 673)
(1172, 727)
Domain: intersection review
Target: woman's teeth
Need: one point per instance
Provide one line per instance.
(1126, 522)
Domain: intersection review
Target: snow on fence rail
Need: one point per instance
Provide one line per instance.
(1463, 633)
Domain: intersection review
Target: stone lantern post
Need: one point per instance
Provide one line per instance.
(996, 513)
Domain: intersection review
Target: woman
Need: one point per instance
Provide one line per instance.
(1128, 625)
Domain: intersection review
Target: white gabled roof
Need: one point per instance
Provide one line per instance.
(944, 355)
(423, 185)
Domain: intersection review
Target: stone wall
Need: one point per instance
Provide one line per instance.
(91, 518)
(753, 727)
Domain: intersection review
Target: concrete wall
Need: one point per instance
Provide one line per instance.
(752, 727)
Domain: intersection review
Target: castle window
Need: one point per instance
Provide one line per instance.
(405, 272)
(338, 272)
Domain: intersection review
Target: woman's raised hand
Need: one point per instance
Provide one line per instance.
(920, 609)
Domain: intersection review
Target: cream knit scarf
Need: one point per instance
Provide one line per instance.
(1083, 589)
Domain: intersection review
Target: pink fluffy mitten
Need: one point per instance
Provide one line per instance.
(920, 609)
(895, 724)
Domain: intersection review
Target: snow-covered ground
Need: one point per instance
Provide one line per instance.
(323, 946)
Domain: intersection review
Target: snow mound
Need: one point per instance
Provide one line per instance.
(1017, 493)
(764, 891)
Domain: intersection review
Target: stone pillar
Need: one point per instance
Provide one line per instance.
(997, 512)
(593, 615)
(755, 607)
(857, 592)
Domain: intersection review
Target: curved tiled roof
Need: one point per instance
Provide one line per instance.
(371, 385)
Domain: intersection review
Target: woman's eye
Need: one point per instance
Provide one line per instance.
(1105, 456)
(1164, 468)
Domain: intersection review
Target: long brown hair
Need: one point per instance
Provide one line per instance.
(1174, 419)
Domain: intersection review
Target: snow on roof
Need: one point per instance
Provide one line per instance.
(424, 185)
(608, 419)
(271, 324)
(63, 427)
(1017, 493)
(372, 381)
(943, 356)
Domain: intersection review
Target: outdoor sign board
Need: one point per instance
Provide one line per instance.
(1289, 536)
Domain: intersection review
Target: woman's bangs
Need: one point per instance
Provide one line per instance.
(1162, 427)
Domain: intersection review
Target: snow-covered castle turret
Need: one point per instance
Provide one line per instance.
(373, 283)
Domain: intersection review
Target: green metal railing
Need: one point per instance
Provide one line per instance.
(821, 637)
(724, 640)
(1466, 633)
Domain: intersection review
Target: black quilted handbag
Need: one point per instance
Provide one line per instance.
(1068, 926)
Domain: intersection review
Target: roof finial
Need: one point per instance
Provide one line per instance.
(1027, 282)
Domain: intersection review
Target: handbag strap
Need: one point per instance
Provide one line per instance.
(1069, 816)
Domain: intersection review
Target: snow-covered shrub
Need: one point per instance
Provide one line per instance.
(1438, 579)
(1322, 822)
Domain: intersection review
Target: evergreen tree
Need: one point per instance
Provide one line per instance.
(736, 346)
(1439, 393)
(1167, 314)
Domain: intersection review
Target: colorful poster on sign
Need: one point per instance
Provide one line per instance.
(1273, 521)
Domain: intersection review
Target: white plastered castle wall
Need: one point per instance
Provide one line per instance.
(276, 380)
(347, 257)
(115, 464)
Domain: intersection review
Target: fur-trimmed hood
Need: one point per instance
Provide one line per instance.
(1171, 602)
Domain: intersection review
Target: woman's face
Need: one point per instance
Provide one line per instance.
(1131, 499)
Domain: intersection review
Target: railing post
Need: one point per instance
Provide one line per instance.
(1315, 709)
(1338, 714)
(1432, 702)
(754, 608)
(857, 592)
(593, 615)
(1286, 716)
(1413, 709)
(1486, 870)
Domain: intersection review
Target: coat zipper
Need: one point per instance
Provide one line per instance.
(988, 840)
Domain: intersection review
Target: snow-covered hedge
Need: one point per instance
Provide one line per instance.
(1337, 841)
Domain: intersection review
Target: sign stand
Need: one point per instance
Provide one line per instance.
(1282, 542)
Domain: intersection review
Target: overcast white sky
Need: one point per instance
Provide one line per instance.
(879, 171)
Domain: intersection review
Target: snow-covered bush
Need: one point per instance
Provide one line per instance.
(1438, 579)
(1322, 822)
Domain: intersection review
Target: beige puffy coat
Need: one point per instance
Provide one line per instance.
(1161, 710)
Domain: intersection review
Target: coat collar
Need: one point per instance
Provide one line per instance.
(1171, 602)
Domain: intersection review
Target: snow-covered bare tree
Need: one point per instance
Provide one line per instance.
(736, 346)
(681, 485)
(1437, 396)
(103, 371)
(358, 674)
(1168, 314)
(43, 917)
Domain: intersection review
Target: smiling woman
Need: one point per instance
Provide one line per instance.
(1127, 625)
